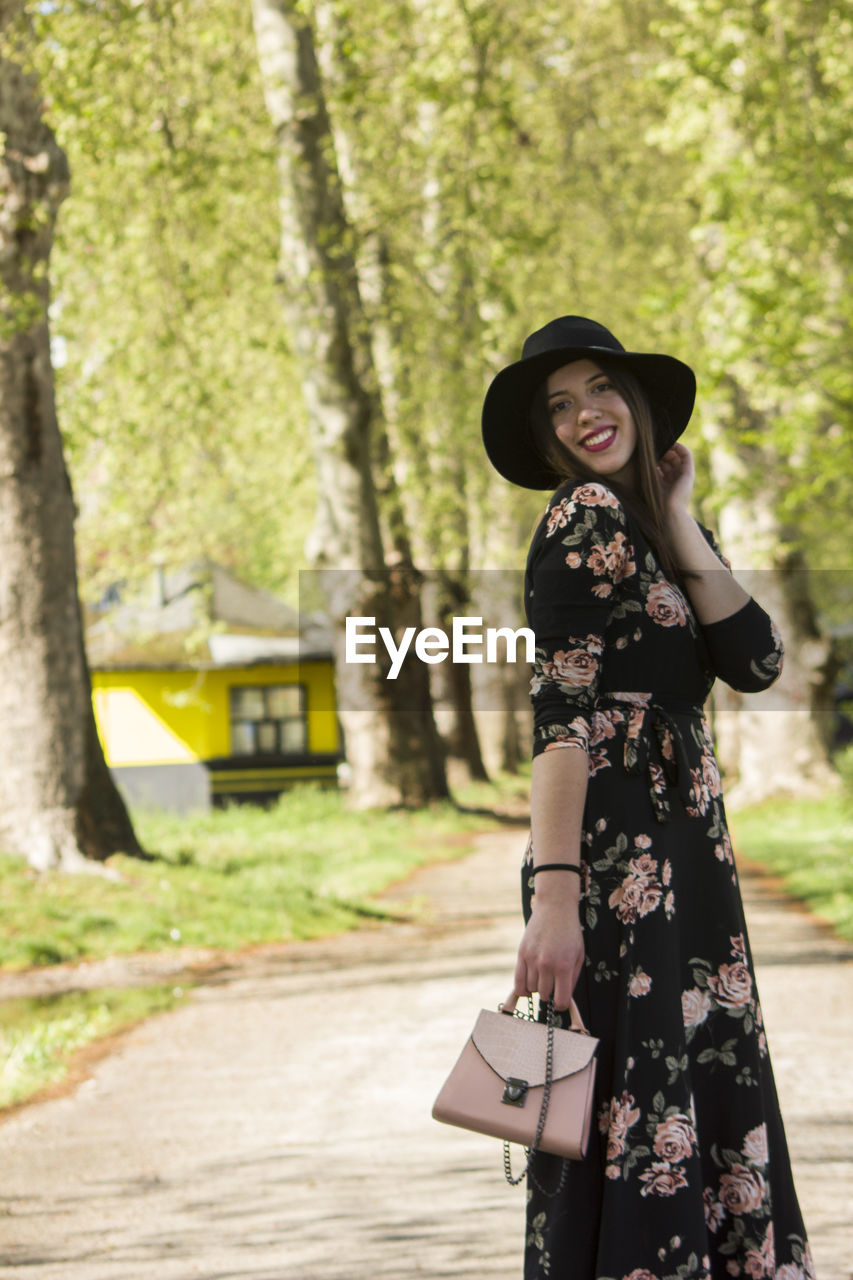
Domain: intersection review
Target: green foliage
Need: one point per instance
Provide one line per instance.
(227, 879)
(760, 100)
(809, 845)
(681, 173)
(488, 173)
(39, 1036)
(176, 393)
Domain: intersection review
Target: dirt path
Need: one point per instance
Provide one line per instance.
(276, 1127)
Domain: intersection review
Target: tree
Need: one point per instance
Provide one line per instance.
(781, 743)
(170, 369)
(466, 130)
(58, 804)
(760, 98)
(392, 744)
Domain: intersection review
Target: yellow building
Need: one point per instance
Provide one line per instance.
(209, 692)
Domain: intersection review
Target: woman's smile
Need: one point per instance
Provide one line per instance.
(599, 440)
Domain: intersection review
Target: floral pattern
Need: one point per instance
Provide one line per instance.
(687, 1175)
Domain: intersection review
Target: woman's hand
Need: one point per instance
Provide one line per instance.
(677, 476)
(551, 953)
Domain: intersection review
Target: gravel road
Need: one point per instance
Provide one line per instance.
(276, 1125)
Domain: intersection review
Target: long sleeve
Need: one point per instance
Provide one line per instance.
(746, 648)
(579, 555)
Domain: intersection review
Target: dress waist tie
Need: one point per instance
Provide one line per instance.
(654, 744)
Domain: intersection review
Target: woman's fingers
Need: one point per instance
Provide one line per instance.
(551, 954)
(545, 983)
(547, 980)
(520, 987)
(564, 989)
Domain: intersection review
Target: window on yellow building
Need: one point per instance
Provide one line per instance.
(268, 720)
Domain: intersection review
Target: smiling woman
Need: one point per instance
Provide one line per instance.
(635, 613)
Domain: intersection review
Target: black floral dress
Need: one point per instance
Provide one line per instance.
(688, 1174)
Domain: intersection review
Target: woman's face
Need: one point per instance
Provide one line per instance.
(592, 420)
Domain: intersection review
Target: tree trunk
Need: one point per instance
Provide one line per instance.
(779, 742)
(58, 804)
(501, 691)
(392, 745)
(447, 597)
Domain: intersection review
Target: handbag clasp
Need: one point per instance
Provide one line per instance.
(515, 1093)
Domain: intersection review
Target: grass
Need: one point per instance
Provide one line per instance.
(227, 879)
(808, 844)
(38, 1038)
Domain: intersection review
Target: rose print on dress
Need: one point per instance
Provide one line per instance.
(661, 1179)
(723, 850)
(674, 1138)
(700, 796)
(640, 984)
(661, 1160)
(739, 1210)
(755, 1146)
(742, 1190)
(596, 561)
(802, 1268)
(615, 1121)
(588, 495)
(604, 725)
(676, 1263)
(596, 495)
(639, 892)
(574, 734)
(705, 785)
(559, 516)
(768, 668)
(573, 668)
(666, 606)
(731, 985)
(730, 990)
(714, 1211)
(620, 563)
(695, 1007)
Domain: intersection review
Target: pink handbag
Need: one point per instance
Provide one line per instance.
(524, 1081)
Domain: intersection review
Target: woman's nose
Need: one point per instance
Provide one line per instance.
(588, 414)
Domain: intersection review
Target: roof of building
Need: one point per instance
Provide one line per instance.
(201, 616)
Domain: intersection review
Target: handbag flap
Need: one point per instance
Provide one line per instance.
(517, 1047)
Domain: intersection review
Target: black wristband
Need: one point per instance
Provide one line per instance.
(557, 866)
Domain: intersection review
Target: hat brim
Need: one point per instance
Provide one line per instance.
(669, 385)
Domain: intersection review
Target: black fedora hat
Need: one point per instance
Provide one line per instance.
(669, 385)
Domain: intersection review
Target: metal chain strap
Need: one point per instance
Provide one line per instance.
(543, 1113)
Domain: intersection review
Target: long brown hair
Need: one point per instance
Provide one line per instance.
(645, 503)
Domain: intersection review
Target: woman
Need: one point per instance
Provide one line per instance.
(639, 914)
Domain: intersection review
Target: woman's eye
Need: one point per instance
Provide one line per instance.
(604, 386)
(560, 407)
